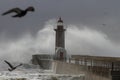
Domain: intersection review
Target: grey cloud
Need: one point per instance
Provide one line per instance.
(93, 13)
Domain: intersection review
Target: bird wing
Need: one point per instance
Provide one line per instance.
(17, 10)
(19, 65)
(9, 64)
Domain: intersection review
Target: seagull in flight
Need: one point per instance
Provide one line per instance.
(19, 12)
(11, 66)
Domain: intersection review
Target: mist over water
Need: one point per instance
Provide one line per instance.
(77, 41)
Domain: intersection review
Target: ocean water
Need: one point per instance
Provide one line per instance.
(37, 74)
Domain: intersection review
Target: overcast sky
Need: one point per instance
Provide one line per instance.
(93, 13)
(93, 27)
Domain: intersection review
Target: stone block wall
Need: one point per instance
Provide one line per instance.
(66, 68)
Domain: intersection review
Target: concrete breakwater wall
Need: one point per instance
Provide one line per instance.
(75, 69)
(66, 68)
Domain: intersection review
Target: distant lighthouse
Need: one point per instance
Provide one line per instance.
(60, 52)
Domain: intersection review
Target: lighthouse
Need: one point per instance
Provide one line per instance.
(60, 52)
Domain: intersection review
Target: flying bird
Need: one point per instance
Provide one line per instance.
(104, 24)
(19, 12)
(11, 66)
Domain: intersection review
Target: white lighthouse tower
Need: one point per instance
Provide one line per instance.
(60, 52)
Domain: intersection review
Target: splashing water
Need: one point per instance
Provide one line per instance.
(38, 75)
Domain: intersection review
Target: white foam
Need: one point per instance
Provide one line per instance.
(37, 75)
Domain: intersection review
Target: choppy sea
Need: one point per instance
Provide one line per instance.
(37, 74)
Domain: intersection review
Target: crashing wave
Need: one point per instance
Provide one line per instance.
(37, 75)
